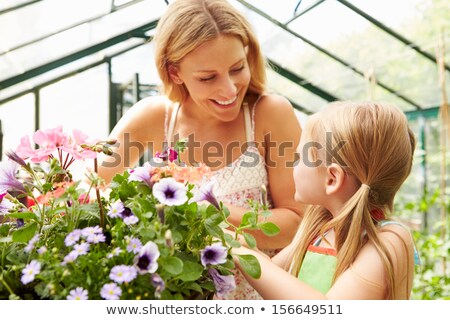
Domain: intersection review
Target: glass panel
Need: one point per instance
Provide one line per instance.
(7, 4)
(79, 37)
(420, 21)
(45, 17)
(141, 61)
(79, 102)
(294, 92)
(48, 76)
(283, 12)
(357, 41)
(17, 120)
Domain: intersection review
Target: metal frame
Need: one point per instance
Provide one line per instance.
(326, 52)
(140, 32)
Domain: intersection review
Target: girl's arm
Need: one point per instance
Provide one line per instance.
(365, 279)
(275, 283)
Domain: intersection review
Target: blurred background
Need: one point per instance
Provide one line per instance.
(83, 63)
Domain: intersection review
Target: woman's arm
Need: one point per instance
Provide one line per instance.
(139, 130)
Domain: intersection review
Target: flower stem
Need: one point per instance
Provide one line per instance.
(99, 200)
(6, 285)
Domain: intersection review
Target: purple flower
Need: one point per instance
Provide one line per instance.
(5, 204)
(71, 257)
(31, 243)
(78, 294)
(81, 249)
(30, 270)
(15, 157)
(158, 283)
(72, 237)
(206, 193)
(170, 192)
(214, 254)
(114, 252)
(223, 284)
(133, 245)
(142, 174)
(111, 291)
(118, 209)
(123, 273)
(96, 238)
(8, 180)
(88, 231)
(146, 260)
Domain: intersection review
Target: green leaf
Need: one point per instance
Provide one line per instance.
(25, 233)
(231, 241)
(250, 239)
(212, 226)
(250, 265)
(266, 213)
(195, 286)
(23, 215)
(172, 265)
(191, 271)
(212, 211)
(249, 220)
(269, 228)
(4, 230)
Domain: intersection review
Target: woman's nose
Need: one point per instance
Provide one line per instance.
(228, 87)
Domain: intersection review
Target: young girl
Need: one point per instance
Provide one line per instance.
(354, 158)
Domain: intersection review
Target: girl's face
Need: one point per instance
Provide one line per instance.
(310, 172)
(217, 76)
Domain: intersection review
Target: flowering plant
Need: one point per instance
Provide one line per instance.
(156, 235)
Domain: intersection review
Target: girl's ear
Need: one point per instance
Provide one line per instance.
(335, 176)
(173, 74)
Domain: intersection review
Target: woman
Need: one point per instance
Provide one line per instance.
(213, 76)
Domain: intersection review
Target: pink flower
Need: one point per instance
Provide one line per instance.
(84, 198)
(73, 146)
(169, 154)
(48, 141)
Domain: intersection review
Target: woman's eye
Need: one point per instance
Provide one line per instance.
(206, 79)
(238, 69)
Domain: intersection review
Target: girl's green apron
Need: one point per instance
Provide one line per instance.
(318, 267)
(319, 264)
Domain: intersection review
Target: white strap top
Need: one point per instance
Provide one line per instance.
(242, 179)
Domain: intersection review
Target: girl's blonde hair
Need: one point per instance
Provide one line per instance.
(188, 24)
(377, 149)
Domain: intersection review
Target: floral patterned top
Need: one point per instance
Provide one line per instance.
(236, 183)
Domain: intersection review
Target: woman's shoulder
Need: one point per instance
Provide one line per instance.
(273, 103)
(151, 106)
(148, 111)
(274, 112)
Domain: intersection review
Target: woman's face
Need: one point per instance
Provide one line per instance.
(217, 76)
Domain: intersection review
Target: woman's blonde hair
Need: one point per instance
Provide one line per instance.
(377, 149)
(187, 24)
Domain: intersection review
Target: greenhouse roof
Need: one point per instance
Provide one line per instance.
(319, 50)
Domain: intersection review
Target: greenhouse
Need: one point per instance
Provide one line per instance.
(83, 64)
